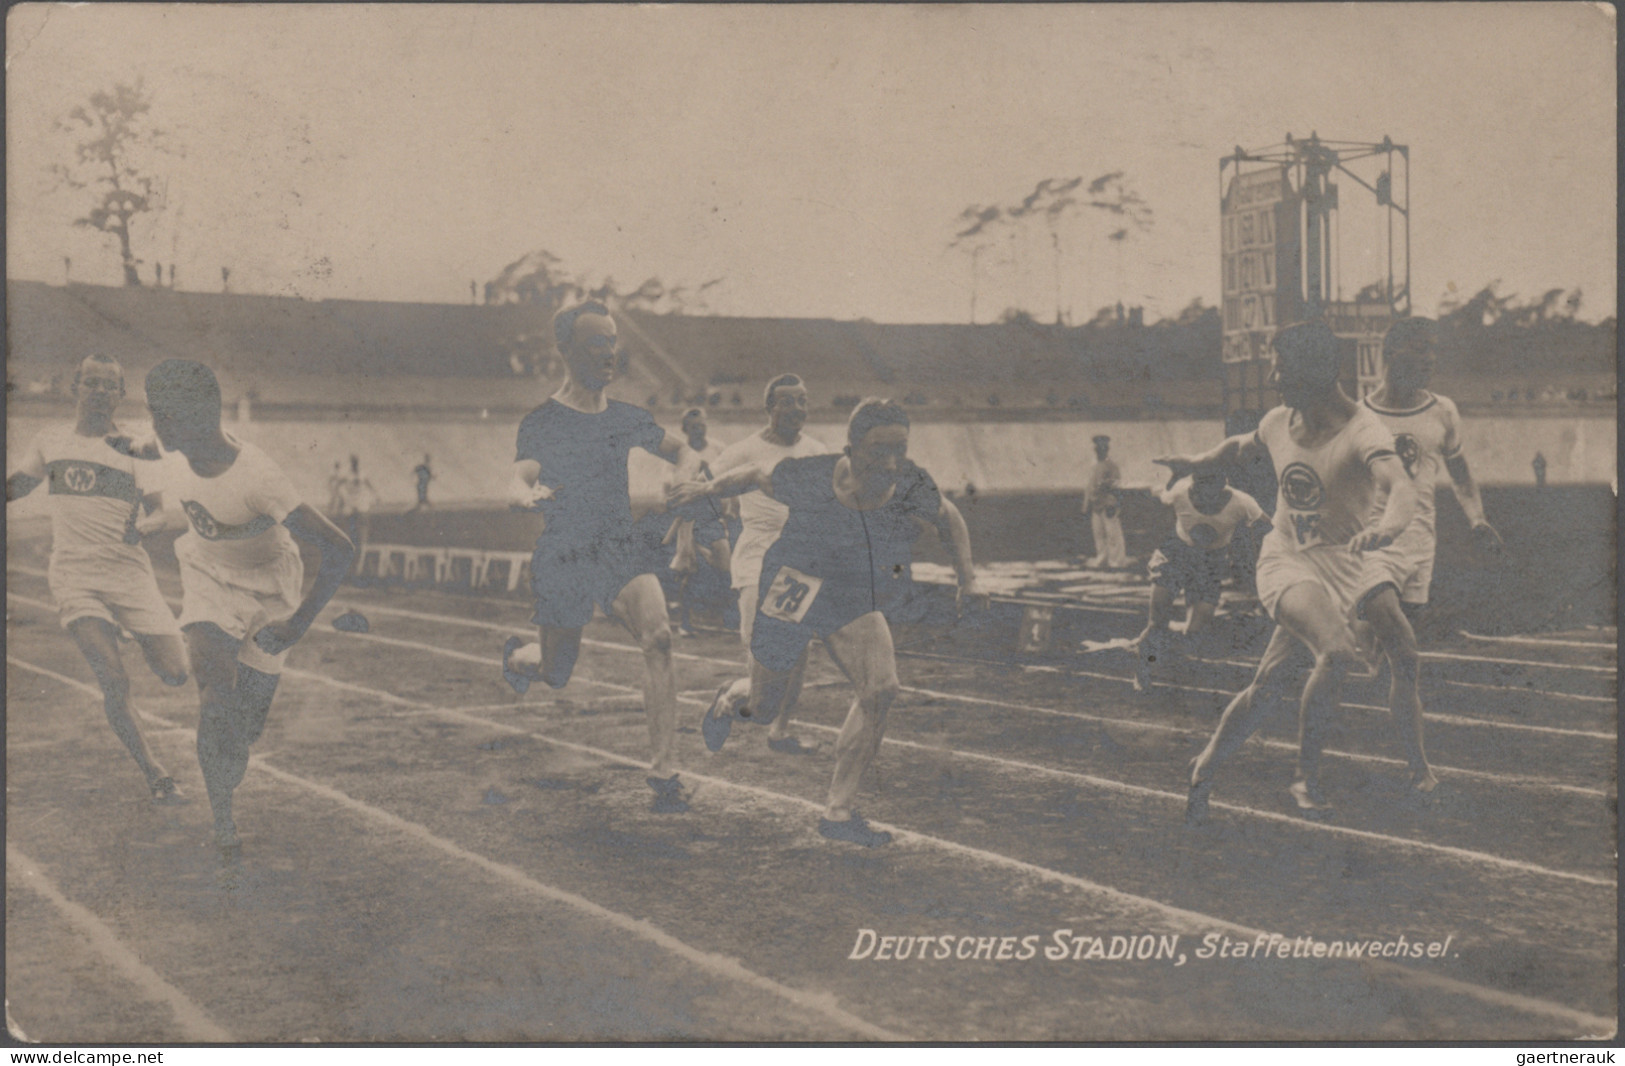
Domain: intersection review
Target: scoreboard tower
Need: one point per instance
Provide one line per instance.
(1283, 258)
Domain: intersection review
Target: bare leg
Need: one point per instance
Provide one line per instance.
(1308, 610)
(234, 702)
(1152, 642)
(166, 657)
(641, 608)
(1248, 709)
(98, 641)
(1404, 697)
(863, 649)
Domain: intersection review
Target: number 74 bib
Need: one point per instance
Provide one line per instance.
(791, 595)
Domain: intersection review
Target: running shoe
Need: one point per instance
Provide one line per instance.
(854, 831)
(165, 791)
(670, 795)
(719, 720)
(519, 682)
(1309, 798)
(790, 746)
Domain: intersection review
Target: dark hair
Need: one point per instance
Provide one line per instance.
(564, 323)
(1311, 347)
(783, 381)
(873, 412)
(1408, 336)
(97, 357)
(185, 390)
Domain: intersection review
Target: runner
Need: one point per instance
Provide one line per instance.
(763, 520)
(241, 574)
(570, 467)
(839, 565)
(99, 575)
(1332, 459)
(699, 533)
(1192, 561)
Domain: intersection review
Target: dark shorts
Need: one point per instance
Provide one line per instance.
(1182, 569)
(792, 609)
(569, 576)
(708, 531)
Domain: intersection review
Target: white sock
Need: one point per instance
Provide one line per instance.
(527, 657)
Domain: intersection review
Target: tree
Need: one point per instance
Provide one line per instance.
(111, 160)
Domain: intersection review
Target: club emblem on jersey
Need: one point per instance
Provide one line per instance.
(1301, 487)
(202, 520)
(79, 478)
(1409, 451)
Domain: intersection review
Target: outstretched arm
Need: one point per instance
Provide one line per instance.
(1466, 490)
(955, 536)
(1238, 449)
(306, 523)
(1390, 477)
(735, 482)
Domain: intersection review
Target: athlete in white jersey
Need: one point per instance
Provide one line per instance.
(762, 519)
(240, 572)
(1427, 437)
(1207, 514)
(99, 575)
(1332, 459)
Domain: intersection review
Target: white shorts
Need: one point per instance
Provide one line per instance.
(1332, 567)
(240, 602)
(1406, 564)
(116, 585)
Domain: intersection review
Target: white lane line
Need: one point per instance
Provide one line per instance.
(1462, 854)
(704, 700)
(1590, 1022)
(1452, 656)
(1445, 719)
(1185, 918)
(1554, 641)
(1545, 694)
(818, 1002)
(194, 1023)
(821, 1003)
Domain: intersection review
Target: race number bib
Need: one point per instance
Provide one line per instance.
(791, 595)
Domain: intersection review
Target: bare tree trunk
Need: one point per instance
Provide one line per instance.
(132, 277)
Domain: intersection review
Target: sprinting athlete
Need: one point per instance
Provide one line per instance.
(699, 533)
(1333, 460)
(840, 563)
(1192, 561)
(570, 466)
(762, 519)
(1427, 437)
(99, 575)
(241, 573)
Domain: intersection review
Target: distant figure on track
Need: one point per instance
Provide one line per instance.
(424, 474)
(241, 574)
(840, 563)
(1333, 460)
(763, 520)
(1192, 561)
(357, 498)
(698, 533)
(570, 466)
(1104, 508)
(99, 575)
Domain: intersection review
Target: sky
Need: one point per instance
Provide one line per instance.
(814, 158)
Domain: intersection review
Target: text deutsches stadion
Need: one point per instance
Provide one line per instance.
(1065, 945)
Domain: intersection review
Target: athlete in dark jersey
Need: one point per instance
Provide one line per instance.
(570, 466)
(841, 561)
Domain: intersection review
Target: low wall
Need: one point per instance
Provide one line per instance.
(472, 460)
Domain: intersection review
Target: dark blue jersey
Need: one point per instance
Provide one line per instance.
(853, 549)
(583, 460)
